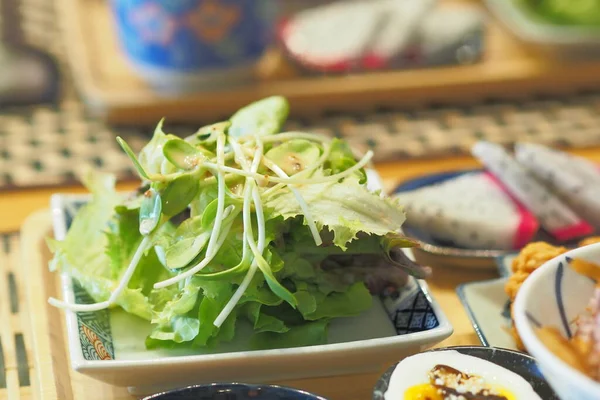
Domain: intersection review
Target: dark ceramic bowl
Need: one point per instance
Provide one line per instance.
(517, 362)
(234, 391)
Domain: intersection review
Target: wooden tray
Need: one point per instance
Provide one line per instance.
(45, 338)
(509, 69)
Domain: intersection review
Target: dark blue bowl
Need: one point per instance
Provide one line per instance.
(515, 361)
(234, 391)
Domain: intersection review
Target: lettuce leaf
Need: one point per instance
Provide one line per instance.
(297, 288)
(345, 208)
(151, 157)
(308, 334)
(263, 117)
(83, 252)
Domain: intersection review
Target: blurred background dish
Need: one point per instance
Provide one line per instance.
(381, 35)
(565, 28)
(30, 75)
(455, 47)
(194, 44)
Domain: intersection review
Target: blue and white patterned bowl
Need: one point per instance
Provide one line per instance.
(185, 45)
(554, 295)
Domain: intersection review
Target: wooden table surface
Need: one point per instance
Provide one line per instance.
(17, 205)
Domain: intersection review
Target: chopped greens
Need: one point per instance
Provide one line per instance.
(572, 13)
(237, 222)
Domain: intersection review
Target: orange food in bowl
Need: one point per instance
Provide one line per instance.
(563, 348)
(590, 240)
(582, 351)
(531, 257)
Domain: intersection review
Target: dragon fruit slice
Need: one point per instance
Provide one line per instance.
(471, 211)
(575, 179)
(345, 36)
(554, 215)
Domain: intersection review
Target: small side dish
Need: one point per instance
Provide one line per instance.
(453, 374)
(582, 350)
(564, 12)
(556, 316)
(530, 258)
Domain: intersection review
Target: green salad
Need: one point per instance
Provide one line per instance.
(585, 13)
(237, 222)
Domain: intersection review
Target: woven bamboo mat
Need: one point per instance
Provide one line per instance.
(45, 146)
(15, 335)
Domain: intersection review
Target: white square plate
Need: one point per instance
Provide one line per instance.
(488, 307)
(109, 345)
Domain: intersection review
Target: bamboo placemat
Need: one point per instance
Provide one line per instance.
(47, 145)
(15, 331)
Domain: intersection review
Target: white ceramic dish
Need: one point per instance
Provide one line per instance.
(517, 362)
(488, 307)
(109, 346)
(568, 41)
(554, 295)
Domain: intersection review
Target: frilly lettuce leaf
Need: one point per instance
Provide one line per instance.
(345, 208)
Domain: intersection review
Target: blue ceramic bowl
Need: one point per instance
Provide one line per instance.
(235, 391)
(184, 44)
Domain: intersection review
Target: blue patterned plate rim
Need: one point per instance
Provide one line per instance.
(420, 181)
(275, 390)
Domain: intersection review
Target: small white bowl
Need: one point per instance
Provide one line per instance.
(554, 295)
